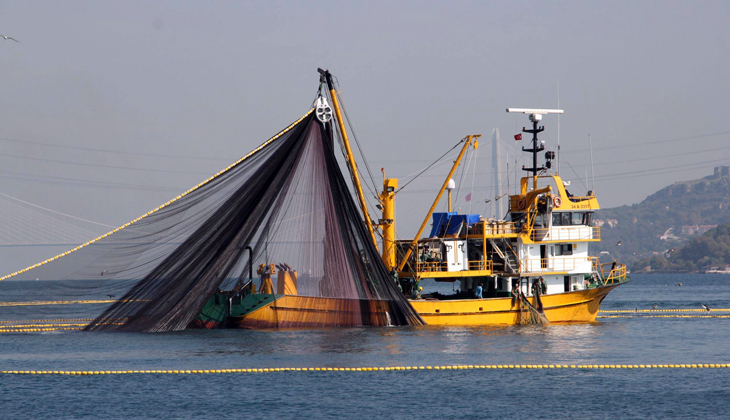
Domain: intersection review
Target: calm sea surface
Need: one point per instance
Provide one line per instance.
(477, 394)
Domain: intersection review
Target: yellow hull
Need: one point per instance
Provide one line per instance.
(288, 311)
(578, 306)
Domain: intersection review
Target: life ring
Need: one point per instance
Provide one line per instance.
(557, 201)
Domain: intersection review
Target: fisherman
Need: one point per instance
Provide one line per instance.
(515, 292)
(394, 274)
(416, 290)
(536, 288)
(478, 291)
(570, 196)
(426, 255)
(543, 286)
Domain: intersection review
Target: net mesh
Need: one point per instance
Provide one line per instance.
(288, 203)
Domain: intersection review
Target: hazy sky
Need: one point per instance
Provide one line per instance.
(109, 109)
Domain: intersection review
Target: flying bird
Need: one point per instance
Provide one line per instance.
(618, 243)
(7, 37)
(707, 308)
(111, 296)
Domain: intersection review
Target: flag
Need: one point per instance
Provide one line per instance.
(518, 137)
(468, 197)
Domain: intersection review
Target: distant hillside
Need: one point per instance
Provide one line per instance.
(664, 220)
(707, 252)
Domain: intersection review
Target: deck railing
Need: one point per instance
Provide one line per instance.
(553, 265)
(442, 266)
(567, 234)
(611, 273)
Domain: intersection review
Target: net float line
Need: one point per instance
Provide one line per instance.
(660, 310)
(6, 327)
(57, 302)
(664, 316)
(25, 330)
(367, 369)
(47, 320)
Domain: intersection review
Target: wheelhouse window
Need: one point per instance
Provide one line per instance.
(576, 218)
(588, 218)
(565, 218)
(556, 219)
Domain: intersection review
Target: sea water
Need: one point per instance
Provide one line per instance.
(635, 338)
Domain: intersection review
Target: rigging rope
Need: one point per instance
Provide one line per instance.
(429, 166)
(357, 143)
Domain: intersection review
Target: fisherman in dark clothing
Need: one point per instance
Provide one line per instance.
(515, 292)
(536, 288)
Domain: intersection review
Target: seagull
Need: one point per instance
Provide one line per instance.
(7, 37)
(655, 306)
(618, 243)
(707, 308)
(111, 296)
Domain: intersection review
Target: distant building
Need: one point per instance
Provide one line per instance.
(601, 222)
(721, 172)
(697, 229)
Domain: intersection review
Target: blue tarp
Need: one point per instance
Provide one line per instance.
(451, 221)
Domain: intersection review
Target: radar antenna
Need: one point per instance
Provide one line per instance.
(535, 117)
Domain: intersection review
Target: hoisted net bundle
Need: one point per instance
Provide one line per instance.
(288, 202)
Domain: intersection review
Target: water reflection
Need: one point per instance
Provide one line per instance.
(619, 340)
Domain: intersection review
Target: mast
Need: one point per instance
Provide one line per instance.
(387, 223)
(535, 117)
(497, 177)
(350, 158)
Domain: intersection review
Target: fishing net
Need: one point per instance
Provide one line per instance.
(285, 204)
(532, 314)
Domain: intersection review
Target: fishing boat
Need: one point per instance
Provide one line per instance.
(532, 266)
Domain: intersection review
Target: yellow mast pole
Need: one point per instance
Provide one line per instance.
(387, 198)
(350, 157)
(413, 244)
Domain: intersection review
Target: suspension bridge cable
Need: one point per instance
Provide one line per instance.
(54, 211)
(97, 165)
(120, 152)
